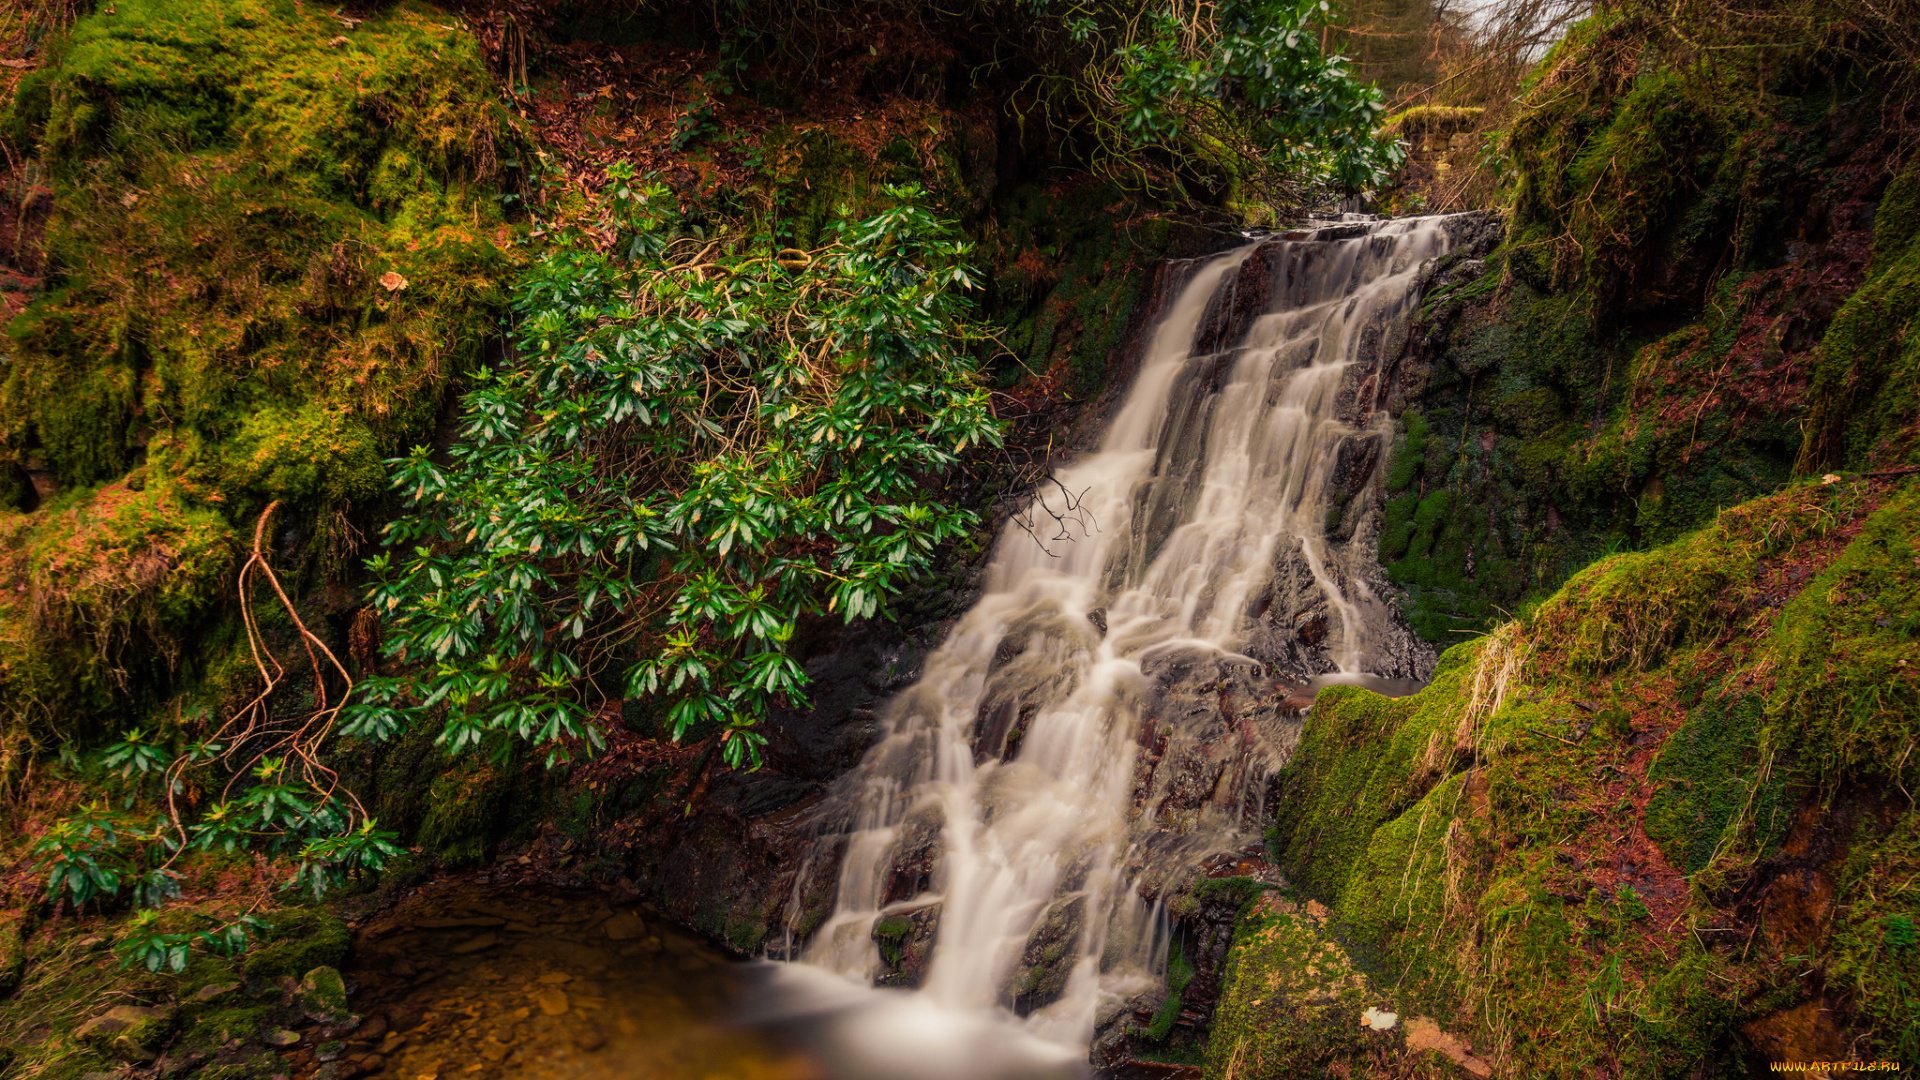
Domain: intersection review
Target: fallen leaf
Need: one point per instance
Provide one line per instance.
(394, 282)
(16, 63)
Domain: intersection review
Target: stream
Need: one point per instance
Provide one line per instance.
(479, 982)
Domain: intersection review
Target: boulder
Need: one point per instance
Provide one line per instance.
(1293, 1001)
(322, 996)
(1048, 959)
(130, 1033)
(906, 945)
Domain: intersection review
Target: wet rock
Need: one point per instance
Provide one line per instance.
(852, 671)
(131, 1033)
(1049, 956)
(1000, 727)
(906, 944)
(372, 1029)
(477, 944)
(1238, 302)
(1207, 909)
(1214, 736)
(915, 854)
(1116, 1023)
(443, 923)
(1473, 236)
(1010, 649)
(626, 926)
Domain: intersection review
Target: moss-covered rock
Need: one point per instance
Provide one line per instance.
(275, 240)
(322, 996)
(134, 560)
(131, 1033)
(258, 206)
(298, 941)
(1682, 316)
(1293, 1003)
(1589, 846)
(1866, 387)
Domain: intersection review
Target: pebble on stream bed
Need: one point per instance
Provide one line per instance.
(473, 982)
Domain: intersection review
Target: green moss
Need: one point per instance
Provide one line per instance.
(1876, 945)
(463, 812)
(263, 168)
(1703, 778)
(890, 934)
(322, 995)
(1865, 397)
(313, 454)
(298, 940)
(275, 241)
(1180, 972)
(124, 563)
(1362, 762)
(1449, 832)
(1409, 457)
(1846, 656)
(1290, 999)
(1443, 118)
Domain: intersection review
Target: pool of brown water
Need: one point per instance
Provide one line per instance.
(477, 982)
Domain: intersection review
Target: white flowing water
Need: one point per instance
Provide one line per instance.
(1005, 800)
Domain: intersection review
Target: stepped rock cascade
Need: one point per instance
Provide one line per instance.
(1107, 714)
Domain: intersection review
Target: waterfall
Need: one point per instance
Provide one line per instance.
(1107, 714)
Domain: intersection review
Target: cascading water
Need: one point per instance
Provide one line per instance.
(1105, 716)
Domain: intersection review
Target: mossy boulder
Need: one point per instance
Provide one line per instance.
(276, 240)
(322, 996)
(214, 1028)
(131, 1033)
(906, 942)
(299, 940)
(1048, 959)
(259, 206)
(1866, 388)
(1293, 1001)
(1593, 844)
(128, 561)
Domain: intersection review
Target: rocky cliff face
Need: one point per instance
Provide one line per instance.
(1635, 829)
